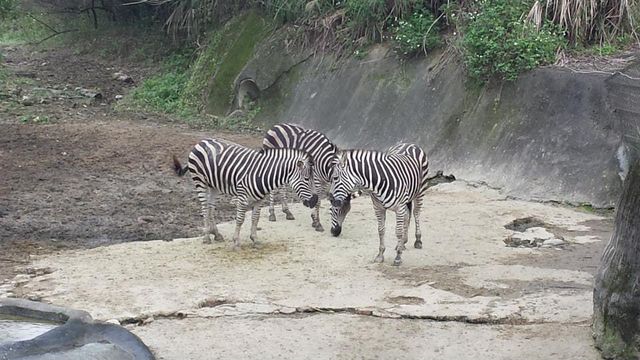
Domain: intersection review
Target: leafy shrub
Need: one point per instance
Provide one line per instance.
(418, 32)
(498, 42)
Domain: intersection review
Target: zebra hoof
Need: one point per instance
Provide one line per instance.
(206, 239)
(257, 244)
(272, 217)
(319, 228)
(397, 262)
(235, 247)
(218, 238)
(379, 259)
(290, 216)
(417, 244)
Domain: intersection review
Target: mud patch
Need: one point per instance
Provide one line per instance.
(522, 224)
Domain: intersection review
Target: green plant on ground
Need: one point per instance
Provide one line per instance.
(417, 33)
(35, 119)
(163, 92)
(7, 9)
(499, 42)
(242, 120)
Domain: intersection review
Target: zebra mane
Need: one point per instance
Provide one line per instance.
(263, 151)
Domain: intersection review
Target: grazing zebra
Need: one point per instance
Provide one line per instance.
(321, 150)
(219, 166)
(397, 181)
(339, 214)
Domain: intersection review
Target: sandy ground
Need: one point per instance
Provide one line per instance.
(322, 297)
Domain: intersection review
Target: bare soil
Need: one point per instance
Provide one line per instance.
(82, 174)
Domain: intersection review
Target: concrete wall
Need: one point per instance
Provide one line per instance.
(551, 135)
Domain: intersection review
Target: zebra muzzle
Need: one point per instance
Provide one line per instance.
(336, 230)
(311, 203)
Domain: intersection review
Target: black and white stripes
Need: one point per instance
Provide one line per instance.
(316, 144)
(219, 166)
(396, 179)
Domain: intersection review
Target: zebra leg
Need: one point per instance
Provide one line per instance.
(401, 221)
(315, 217)
(272, 200)
(211, 227)
(255, 217)
(241, 209)
(417, 207)
(381, 215)
(203, 197)
(285, 205)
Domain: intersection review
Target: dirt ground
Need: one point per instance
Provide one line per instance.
(87, 175)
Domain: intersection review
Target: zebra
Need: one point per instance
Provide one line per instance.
(318, 146)
(219, 166)
(338, 215)
(397, 181)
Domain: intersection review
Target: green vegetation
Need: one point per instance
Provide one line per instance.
(417, 33)
(34, 119)
(163, 92)
(498, 42)
(7, 9)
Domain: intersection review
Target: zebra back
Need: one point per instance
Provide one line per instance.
(240, 171)
(392, 177)
(315, 143)
(417, 153)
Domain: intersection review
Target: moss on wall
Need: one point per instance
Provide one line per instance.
(227, 52)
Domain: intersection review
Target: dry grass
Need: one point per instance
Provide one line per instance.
(587, 21)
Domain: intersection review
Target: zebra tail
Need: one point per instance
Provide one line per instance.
(177, 167)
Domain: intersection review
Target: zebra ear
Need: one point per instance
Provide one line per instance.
(300, 164)
(356, 194)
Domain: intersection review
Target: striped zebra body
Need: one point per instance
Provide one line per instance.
(321, 149)
(222, 167)
(396, 180)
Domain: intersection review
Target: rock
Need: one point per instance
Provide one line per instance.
(26, 101)
(146, 219)
(364, 311)
(532, 237)
(148, 320)
(89, 93)
(287, 310)
(553, 242)
(113, 321)
(119, 97)
(120, 76)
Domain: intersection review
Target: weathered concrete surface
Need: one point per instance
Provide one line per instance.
(553, 134)
(340, 336)
(465, 274)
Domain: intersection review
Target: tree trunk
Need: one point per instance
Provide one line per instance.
(616, 297)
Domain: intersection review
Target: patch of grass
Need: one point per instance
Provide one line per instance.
(34, 119)
(163, 92)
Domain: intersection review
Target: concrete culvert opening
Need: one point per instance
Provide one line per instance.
(247, 92)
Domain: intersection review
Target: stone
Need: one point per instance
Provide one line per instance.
(553, 242)
(120, 76)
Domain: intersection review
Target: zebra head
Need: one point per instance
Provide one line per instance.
(338, 214)
(302, 181)
(343, 181)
